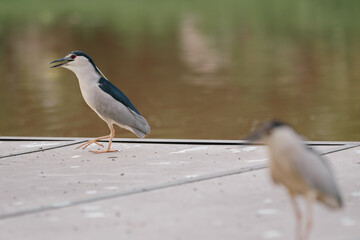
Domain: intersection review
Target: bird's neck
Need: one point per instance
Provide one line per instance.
(284, 140)
(88, 81)
(87, 76)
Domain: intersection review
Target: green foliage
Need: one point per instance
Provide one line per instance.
(275, 17)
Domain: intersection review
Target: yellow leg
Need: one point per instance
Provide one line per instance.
(298, 235)
(111, 136)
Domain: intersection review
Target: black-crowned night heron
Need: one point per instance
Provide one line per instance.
(104, 98)
(300, 169)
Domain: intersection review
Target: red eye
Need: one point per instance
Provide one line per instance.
(73, 56)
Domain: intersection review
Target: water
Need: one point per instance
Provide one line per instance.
(193, 70)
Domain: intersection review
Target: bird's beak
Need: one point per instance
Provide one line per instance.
(62, 61)
(257, 135)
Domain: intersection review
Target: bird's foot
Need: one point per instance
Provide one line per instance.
(88, 143)
(104, 151)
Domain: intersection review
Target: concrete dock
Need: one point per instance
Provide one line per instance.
(161, 189)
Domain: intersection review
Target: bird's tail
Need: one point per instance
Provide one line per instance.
(138, 133)
(141, 127)
(332, 201)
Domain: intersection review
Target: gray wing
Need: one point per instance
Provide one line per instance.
(118, 95)
(316, 172)
(114, 105)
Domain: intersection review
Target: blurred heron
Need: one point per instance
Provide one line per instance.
(300, 169)
(104, 98)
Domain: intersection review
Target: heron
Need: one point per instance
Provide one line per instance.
(104, 98)
(300, 169)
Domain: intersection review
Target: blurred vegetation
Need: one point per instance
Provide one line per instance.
(277, 18)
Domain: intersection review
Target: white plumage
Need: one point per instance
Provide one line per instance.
(104, 98)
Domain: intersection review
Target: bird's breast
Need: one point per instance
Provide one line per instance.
(283, 171)
(91, 94)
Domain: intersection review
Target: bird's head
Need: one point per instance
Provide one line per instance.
(266, 130)
(74, 61)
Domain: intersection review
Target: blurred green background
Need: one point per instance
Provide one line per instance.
(195, 69)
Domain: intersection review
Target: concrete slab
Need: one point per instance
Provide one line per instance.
(157, 190)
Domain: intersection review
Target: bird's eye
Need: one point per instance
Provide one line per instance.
(73, 56)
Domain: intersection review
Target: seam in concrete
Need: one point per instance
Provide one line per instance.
(345, 147)
(42, 149)
(147, 141)
(134, 191)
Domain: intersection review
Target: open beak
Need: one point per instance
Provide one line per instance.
(61, 62)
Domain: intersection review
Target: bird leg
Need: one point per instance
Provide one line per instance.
(297, 212)
(88, 143)
(111, 136)
(310, 197)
